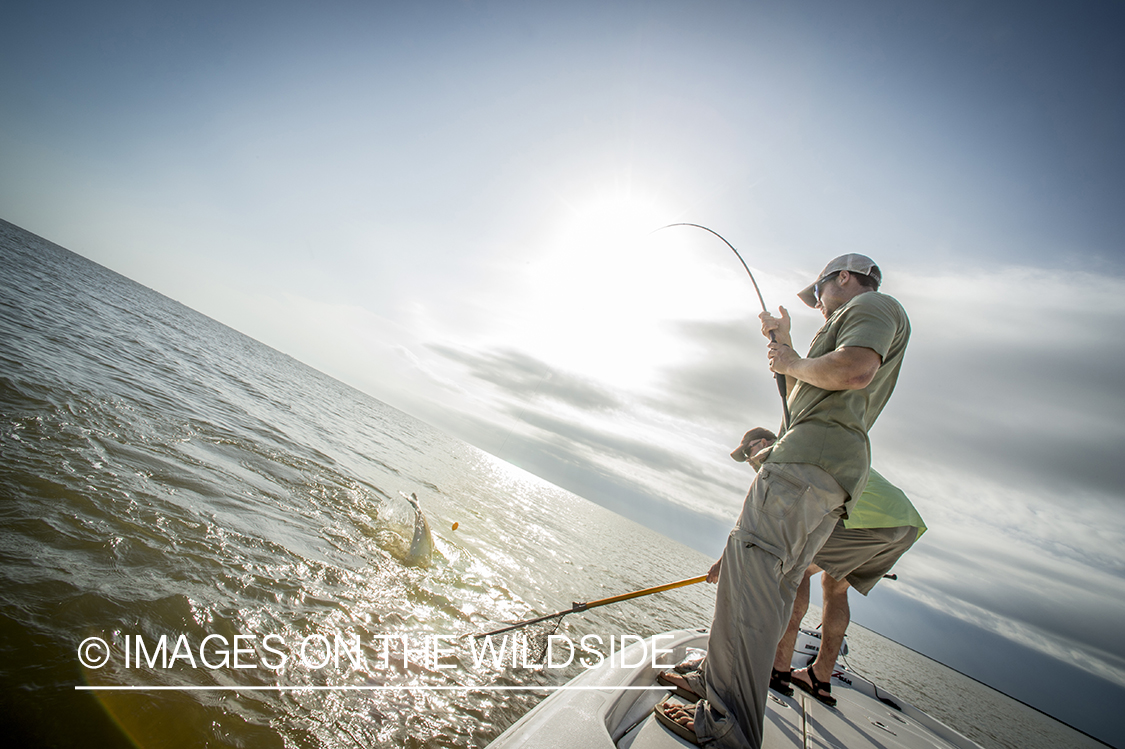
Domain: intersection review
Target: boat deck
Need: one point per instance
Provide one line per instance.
(858, 720)
(612, 707)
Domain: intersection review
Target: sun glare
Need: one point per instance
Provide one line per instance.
(610, 287)
(613, 216)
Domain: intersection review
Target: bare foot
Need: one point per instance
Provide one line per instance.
(682, 714)
(675, 679)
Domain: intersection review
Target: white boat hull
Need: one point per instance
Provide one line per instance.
(610, 706)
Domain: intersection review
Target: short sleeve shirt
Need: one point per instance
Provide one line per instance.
(828, 428)
(883, 505)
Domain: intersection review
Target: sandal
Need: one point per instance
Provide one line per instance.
(817, 688)
(682, 692)
(779, 682)
(672, 724)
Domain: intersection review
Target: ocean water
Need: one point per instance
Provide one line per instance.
(167, 479)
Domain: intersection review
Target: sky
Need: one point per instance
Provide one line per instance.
(452, 207)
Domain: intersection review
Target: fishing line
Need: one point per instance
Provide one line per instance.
(780, 378)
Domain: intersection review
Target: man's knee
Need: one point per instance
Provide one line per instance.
(834, 588)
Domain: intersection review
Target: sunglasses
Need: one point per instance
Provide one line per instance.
(822, 282)
(752, 447)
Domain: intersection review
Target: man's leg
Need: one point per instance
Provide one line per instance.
(837, 617)
(852, 558)
(834, 623)
(784, 656)
(790, 511)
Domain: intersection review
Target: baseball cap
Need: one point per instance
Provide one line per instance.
(853, 262)
(757, 433)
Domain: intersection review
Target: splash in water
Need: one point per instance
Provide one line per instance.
(404, 532)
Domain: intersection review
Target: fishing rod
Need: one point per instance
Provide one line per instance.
(576, 607)
(780, 378)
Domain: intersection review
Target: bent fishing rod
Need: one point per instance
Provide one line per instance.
(777, 375)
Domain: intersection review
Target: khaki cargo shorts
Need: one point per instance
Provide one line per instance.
(863, 555)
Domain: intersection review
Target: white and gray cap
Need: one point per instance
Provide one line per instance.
(854, 263)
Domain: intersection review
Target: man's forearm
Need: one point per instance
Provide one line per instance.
(850, 368)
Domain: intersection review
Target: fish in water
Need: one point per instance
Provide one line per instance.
(422, 545)
(403, 532)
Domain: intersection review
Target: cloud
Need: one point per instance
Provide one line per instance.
(602, 444)
(527, 379)
(1083, 648)
(726, 381)
(1007, 430)
(1034, 572)
(607, 469)
(606, 448)
(1012, 379)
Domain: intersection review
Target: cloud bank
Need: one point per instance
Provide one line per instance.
(1006, 431)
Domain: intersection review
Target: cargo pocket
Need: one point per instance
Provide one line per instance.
(782, 493)
(780, 513)
(747, 540)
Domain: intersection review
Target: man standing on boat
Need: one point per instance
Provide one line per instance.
(860, 552)
(810, 477)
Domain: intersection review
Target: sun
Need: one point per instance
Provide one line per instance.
(612, 216)
(611, 251)
(607, 289)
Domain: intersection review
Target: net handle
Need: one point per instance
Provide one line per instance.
(594, 604)
(638, 593)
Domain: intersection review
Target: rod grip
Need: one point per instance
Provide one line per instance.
(781, 389)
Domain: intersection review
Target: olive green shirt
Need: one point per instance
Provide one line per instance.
(828, 428)
(884, 505)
